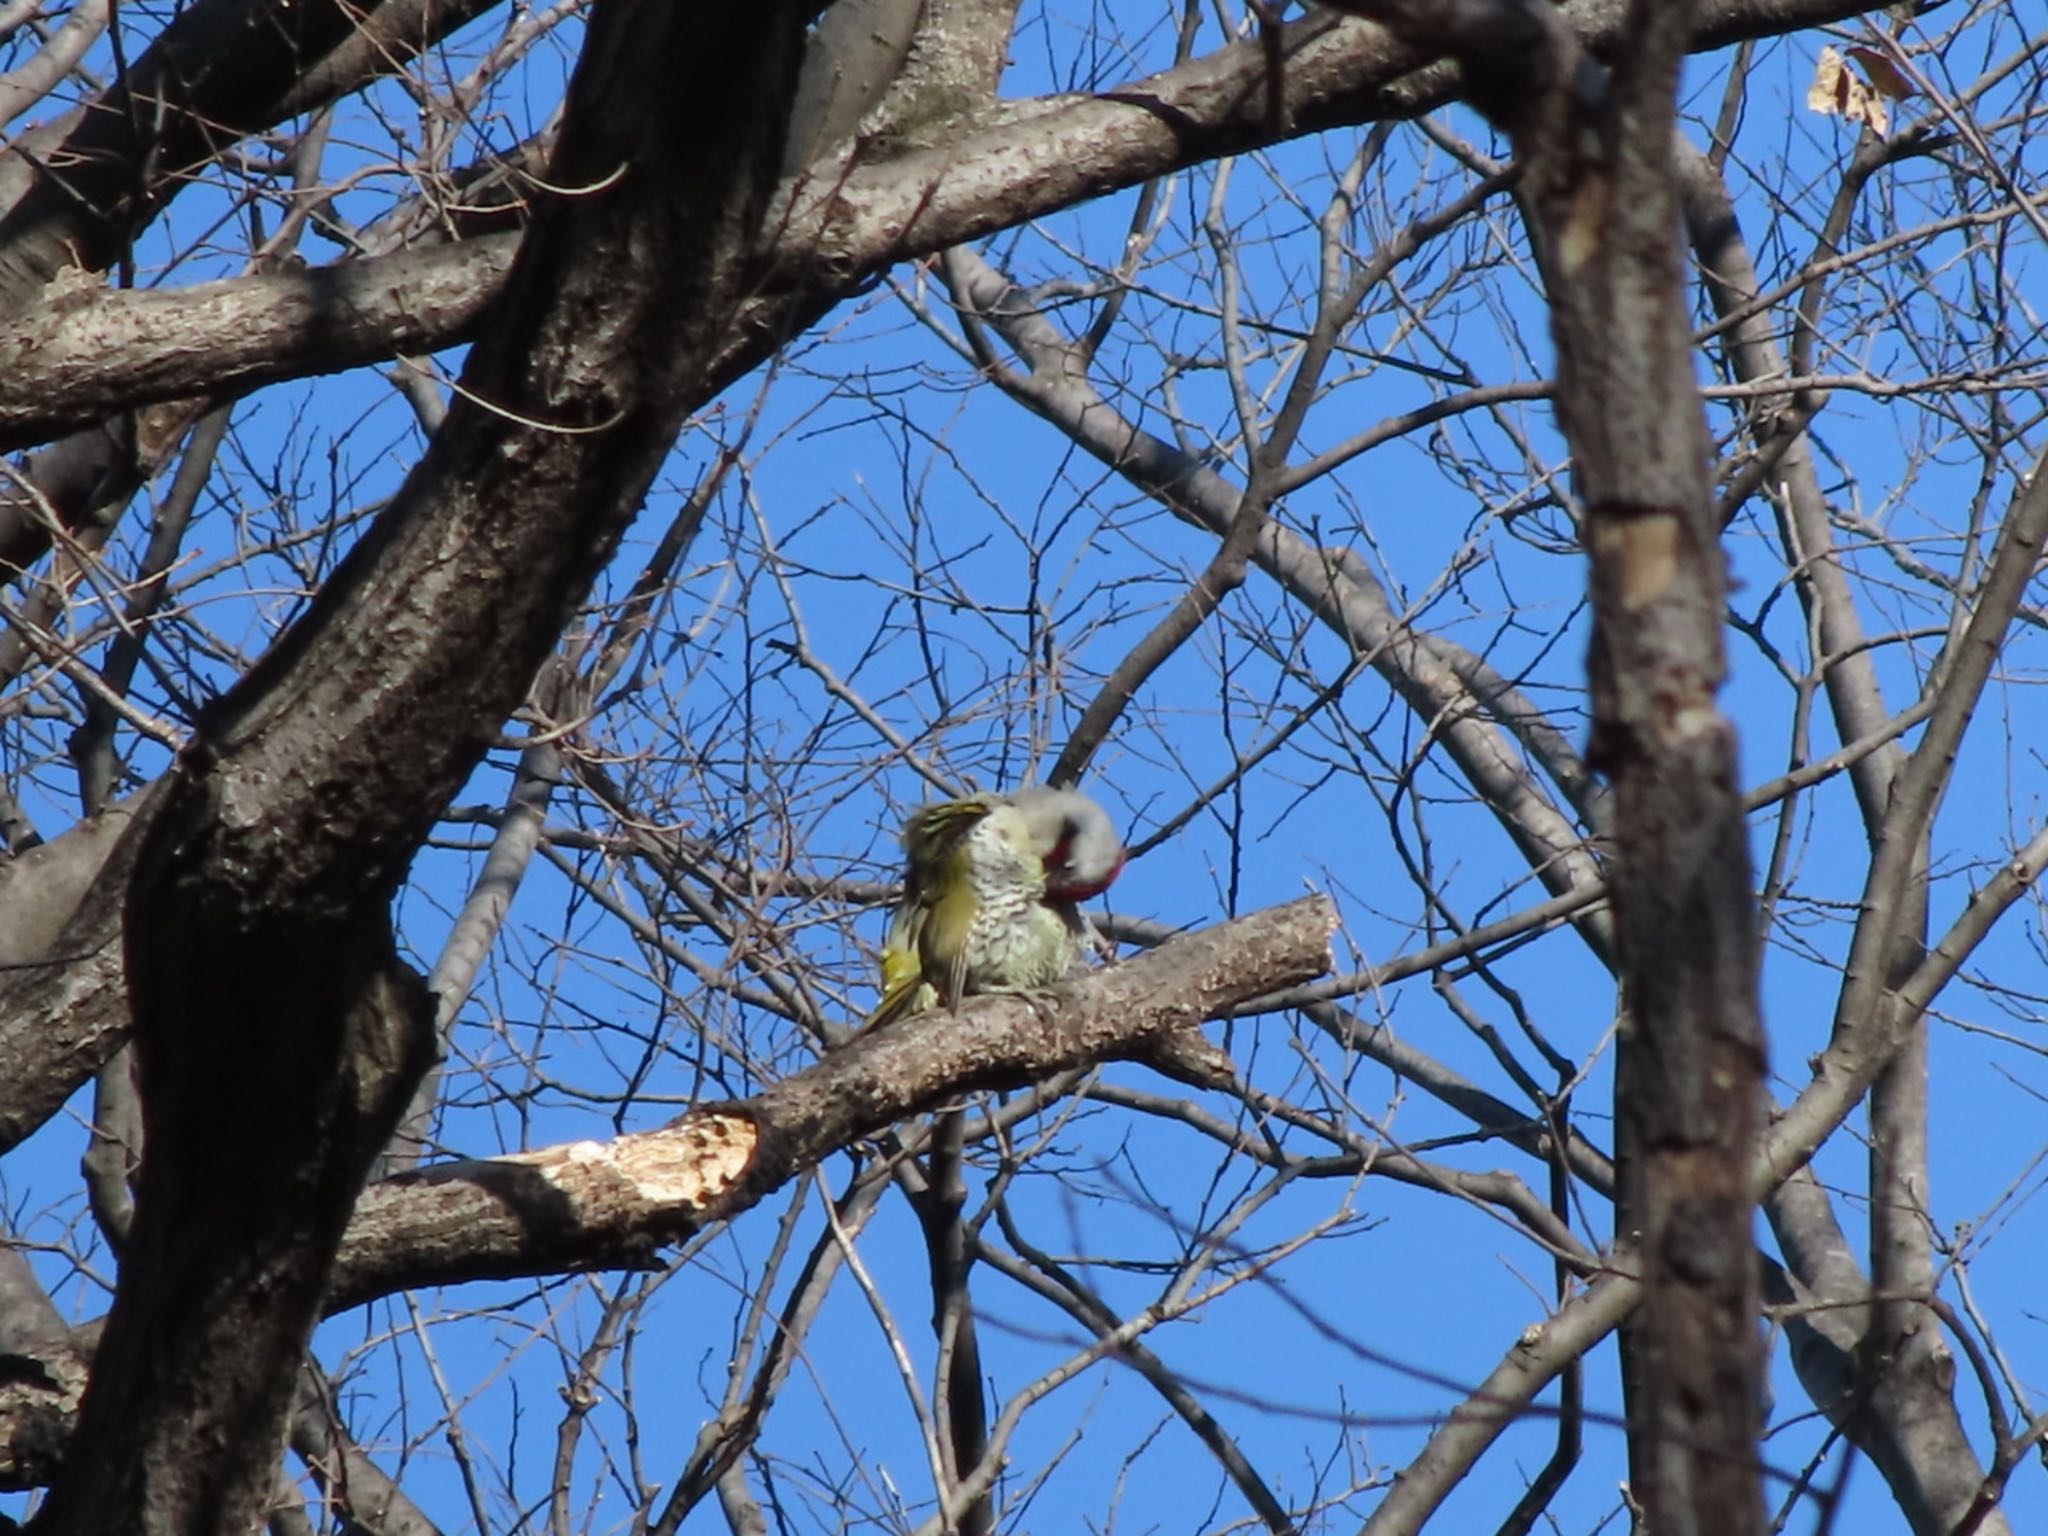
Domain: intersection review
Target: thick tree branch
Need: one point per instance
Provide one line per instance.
(842, 223)
(42, 1375)
(1594, 149)
(72, 363)
(1897, 1406)
(1538, 1356)
(63, 993)
(74, 192)
(1869, 1021)
(278, 1036)
(1902, 1413)
(594, 1205)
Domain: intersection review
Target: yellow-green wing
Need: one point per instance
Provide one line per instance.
(902, 970)
(926, 944)
(934, 833)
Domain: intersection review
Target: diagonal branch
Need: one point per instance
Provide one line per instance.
(1869, 1020)
(842, 222)
(593, 1205)
(271, 1008)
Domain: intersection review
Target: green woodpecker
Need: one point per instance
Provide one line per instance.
(992, 887)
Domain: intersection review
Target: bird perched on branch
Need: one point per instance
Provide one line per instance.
(992, 887)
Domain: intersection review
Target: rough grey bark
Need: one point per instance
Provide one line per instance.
(42, 1377)
(1307, 566)
(63, 991)
(72, 362)
(594, 1205)
(1598, 196)
(616, 1204)
(845, 221)
(74, 192)
(1881, 1373)
(270, 1009)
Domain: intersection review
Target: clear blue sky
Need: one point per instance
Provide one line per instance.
(1336, 1363)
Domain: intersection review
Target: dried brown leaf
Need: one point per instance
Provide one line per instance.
(1838, 91)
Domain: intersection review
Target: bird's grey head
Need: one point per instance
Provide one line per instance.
(1075, 838)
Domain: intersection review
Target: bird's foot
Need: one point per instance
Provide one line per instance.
(1045, 1003)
